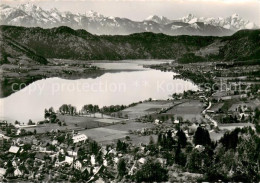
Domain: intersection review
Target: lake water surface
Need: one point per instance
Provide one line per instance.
(133, 84)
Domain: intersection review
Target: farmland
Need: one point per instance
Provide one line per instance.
(109, 134)
(146, 108)
(188, 110)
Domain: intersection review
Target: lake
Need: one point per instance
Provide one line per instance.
(129, 82)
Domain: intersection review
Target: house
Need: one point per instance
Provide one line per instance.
(104, 151)
(162, 161)
(54, 142)
(42, 148)
(73, 152)
(57, 163)
(18, 132)
(116, 159)
(157, 122)
(142, 160)
(78, 165)
(14, 149)
(245, 115)
(2, 136)
(105, 162)
(68, 160)
(40, 156)
(92, 160)
(100, 180)
(2, 172)
(64, 146)
(176, 121)
(112, 151)
(17, 173)
(14, 163)
(35, 142)
(200, 148)
(79, 138)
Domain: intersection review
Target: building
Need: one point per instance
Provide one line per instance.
(2, 172)
(69, 160)
(78, 165)
(18, 173)
(93, 160)
(14, 149)
(142, 160)
(73, 152)
(176, 121)
(79, 138)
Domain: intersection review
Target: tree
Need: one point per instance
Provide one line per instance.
(30, 122)
(201, 137)
(151, 171)
(94, 148)
(121, 146)
(151, 140)
(230, 139)
(172, 118)
(182, 139)
(180, 158)
(121, 168)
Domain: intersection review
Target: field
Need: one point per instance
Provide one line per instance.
(136, 140)
(76, 123)
(88, 122)
(104, 135)
(232, 126)
(109, 134)
(216, 107)
(189, 110)
(51, 126)
(146, 108)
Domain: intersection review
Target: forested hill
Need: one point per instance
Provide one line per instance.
(64, 42)
(11, 52)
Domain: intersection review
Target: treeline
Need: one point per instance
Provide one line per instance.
(235, 157)
(68, 109)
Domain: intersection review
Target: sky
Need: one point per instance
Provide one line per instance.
(141, 9)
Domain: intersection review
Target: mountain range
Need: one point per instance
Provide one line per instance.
(30, 15)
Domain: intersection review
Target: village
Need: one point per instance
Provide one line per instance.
(162, 140)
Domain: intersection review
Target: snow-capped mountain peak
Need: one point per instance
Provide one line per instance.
(188, 18)
(233, 22)
(29, 7)
(94, 14)
(158, 19)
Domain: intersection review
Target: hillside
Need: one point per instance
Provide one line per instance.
(64, 42)
(16, 53)
(243, 45)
